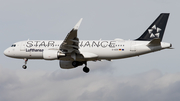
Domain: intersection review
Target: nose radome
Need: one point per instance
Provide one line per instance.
(6, 52)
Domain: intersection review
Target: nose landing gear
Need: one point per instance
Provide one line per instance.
(24, 66)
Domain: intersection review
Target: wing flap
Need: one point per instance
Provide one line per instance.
(88, 55)
(73, 46)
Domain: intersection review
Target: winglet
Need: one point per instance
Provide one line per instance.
(78, 24)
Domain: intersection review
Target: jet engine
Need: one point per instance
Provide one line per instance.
(52, 54)
(69, 64)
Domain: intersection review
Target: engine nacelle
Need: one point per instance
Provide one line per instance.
(69, 64)
(52, 54)
(66, 64)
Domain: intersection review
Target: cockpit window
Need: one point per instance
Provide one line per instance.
(14, 45)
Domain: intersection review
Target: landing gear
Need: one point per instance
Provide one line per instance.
(79, 63)
(75, 63)
(24, 66)
(86, 69)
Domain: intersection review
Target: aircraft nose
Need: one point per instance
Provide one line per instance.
(7, 52)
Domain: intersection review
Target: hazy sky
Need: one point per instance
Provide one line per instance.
(151, 77)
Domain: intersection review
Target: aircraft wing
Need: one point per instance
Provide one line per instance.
(71, 42)
(70, 45)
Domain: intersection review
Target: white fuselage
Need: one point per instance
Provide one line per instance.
(103, 49)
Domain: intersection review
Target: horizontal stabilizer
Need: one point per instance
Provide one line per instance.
(155, 42)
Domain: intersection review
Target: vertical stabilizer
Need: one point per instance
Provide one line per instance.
(156, 29)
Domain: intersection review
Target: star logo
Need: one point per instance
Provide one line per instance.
(154, 32)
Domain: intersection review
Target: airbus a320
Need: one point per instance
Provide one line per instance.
(72, 52)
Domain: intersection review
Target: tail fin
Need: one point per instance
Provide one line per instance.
(156, 29)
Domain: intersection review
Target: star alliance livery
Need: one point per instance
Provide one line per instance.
(72, 52)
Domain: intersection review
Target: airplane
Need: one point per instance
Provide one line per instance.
(72, 52)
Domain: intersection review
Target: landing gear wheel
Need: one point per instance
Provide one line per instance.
(24, 66)
(75, 63)
(25, 62)
(86, 69)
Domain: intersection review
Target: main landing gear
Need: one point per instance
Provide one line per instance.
(86, 69)
(24, 66)
(77, 63)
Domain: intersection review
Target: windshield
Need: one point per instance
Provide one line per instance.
(14, 45)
